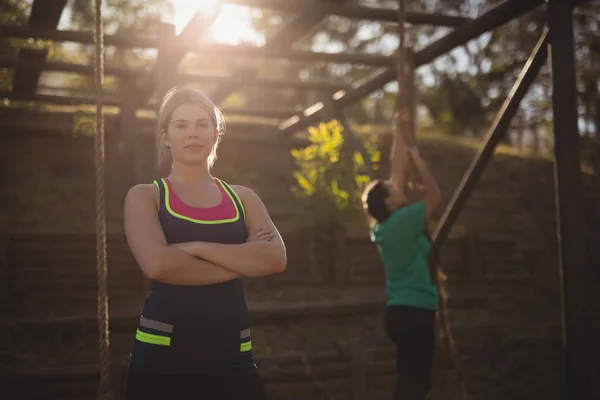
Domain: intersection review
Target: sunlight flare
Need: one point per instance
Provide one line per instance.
(233, 24)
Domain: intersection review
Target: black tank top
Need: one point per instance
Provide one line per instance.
(205, 329)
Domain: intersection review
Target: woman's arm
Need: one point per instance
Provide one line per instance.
(433, 196)
(254, 258)
(399, 153)
(158, 260)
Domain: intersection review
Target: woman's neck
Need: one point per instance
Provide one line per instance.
(190, 173)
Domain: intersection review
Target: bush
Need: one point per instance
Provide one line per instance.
(330, 176)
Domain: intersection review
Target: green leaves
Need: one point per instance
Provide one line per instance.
(330, 176)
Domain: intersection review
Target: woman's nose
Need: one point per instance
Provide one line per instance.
(192, 133)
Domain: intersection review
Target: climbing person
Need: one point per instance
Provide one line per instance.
(398, 229)
(195, 237)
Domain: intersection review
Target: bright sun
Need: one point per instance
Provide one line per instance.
(232, 25)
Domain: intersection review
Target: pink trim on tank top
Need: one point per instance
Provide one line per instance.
(224, 210)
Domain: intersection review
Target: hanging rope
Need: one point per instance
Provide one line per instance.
(104, 391)
(406, 103)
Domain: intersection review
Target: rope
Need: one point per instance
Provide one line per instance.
(405, 97)
(104, 391)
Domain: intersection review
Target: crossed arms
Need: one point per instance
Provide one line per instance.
(201, 263)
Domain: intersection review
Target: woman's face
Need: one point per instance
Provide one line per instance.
(190, 135)
(396, 199)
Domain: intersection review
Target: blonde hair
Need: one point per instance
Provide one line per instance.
(179, 96)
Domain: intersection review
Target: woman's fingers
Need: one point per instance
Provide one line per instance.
(255, 233)
(403, 116)
(261, 234)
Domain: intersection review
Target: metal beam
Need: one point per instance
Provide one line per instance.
(56, 66)
(297, 26)
(267, 83)
(491, 19)
(44, 14)
(291, 31)
(114, 101)
(357, 12)
(305, 119)
(40, 123)
(493, 137)
(229, 51)
(225, 89)
(122, 41)
(171, 50)
(224, 50)
(572, 230)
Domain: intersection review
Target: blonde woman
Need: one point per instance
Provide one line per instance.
(195, 236)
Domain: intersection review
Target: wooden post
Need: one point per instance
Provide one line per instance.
(493, 137)
(166, 64)
(127, 134)
(401, 103)
(4, 266)
(572, 233)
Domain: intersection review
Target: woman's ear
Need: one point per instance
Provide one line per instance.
(163, 138)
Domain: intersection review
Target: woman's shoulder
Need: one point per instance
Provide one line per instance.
(143, 189)
(242, 191)
(143, 192)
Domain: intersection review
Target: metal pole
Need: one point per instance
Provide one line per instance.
(572, 237)
(498, 129)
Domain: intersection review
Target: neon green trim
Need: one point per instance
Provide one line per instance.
(198, 221)
(156, 184)
(246, 346)
(236, 196)
(153, 339)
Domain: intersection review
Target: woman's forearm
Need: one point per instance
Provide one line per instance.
(176, 267)
(253, 259)
(399, 156)
(432, 191)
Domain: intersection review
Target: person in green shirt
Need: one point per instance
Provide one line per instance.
(399, 231)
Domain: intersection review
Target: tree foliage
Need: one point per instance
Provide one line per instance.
(330, 176)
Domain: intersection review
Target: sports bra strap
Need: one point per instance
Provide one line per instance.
(161, 193)
(234, 196)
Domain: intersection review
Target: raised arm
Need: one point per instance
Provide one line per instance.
(433, 196)
(253, 258)
(399, 154)
(158, 260)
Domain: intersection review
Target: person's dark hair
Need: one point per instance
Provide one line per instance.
(374, 197)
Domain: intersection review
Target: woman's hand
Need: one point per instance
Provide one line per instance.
(402, 117)
(260, 234)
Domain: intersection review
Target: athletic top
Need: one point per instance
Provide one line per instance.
(404, 249)
(202, 330)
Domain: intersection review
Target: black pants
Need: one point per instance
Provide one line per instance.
(412, 331)
(193, 387)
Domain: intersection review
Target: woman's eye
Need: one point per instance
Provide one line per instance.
(180, 126)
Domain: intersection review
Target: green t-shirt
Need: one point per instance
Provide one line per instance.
(405, 249)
